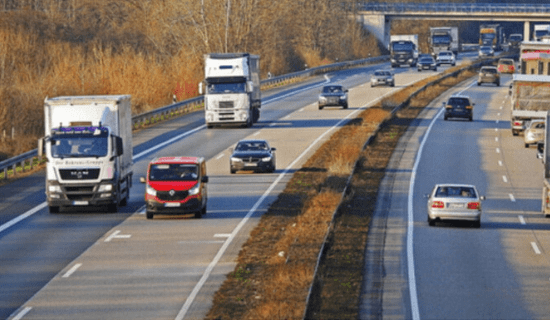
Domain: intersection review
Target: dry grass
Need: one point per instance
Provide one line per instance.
(275, 266)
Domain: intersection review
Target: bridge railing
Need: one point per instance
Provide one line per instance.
(455, 7)
(28, 160)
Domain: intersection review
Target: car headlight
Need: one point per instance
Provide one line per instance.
(54, 188)
(344, 97)
(266, 159)
(322, 99)
(150, 191)
(195, 190)
(105, 188)
(236, 159)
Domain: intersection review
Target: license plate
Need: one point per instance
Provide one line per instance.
(247, 164)
(80, 203)
(456, 205)
(172, 204)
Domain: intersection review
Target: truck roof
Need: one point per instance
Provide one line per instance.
(531, 77)
(184, 160)
(86, 99)
(229, 55)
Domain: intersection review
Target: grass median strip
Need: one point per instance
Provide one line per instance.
(275, 267)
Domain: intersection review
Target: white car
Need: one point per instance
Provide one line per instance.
(446, 57)
(454, 202)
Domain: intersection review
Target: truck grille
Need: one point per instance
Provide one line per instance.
(79, 174)
(177, 196)
(226, 105)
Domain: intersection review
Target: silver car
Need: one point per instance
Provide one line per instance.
(534, 133)
(382, 77)
(454, 202)
(446, 57)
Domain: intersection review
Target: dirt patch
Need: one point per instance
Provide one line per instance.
(276, 266)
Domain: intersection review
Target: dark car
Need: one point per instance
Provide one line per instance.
(515, 40)
(333, 95)
(426, 63)
(255, 155)
(459, 107)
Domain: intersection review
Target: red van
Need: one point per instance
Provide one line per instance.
(176, 185)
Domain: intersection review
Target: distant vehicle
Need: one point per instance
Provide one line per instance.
(424, 55)
(491, 35)
(506, 66)
(446, 57)
(454, 202)
(514, 40)
(382, 77)
(534, 58)
(534, 133)
(426, 63)
(333, 95)
(486, 51)
(176, 185)
(254, 154)
(488, 75)
(444, 39)
(459, 106)
(403, 50)
(540, 30)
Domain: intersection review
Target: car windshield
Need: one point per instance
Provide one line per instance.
(381, 73)
(251, 146)
(455, 192)
(458, 102)
(333, 89)
(488, 70)
(485, 49)
(173, 172)
(426, 60)
(441, 54)
(506, 62)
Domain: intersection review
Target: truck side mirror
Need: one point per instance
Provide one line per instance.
(204, 179)
(40, 147)
(249, 86)
(119, 150)
(201, 88)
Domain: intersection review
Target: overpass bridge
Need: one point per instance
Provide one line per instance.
(377, 17)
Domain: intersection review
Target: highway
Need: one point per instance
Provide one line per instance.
(101, 265)
(453, 271)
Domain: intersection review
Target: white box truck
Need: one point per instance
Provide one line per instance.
(444, 39)
(403, 50)
(530, 100)
(540, 30)
(231, 89)
(88, 147)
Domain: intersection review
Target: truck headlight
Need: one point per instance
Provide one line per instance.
(55, 188)
(195, 190)
(150, 191)
(105, 188)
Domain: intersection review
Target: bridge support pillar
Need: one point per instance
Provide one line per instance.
(526, 31)
(378, 25)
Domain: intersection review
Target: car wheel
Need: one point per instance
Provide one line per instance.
(526, 145)
(454, 64)
(320, 108)
(445, 118)
(393, 84)
(54, 209)
(233, 171)
(149, 215)
(471, 119)
(479, 83)
(209, 126)
(431, 222)
(345, 106)
(477, 224)
(371, 85)
(498, 84)
(418, 70)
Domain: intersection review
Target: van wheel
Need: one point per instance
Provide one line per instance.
(198, 214)
(149, 215)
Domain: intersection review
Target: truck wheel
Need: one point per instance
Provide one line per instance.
(149, 215)
(209, 126)
(54, 209)
(255, 115)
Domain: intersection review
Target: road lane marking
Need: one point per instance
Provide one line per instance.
(504, 179)
(220, 156)
(535, 248)
(23, 312)
(222, 235)
(512, 197)
(521, 219)
(72, 270)
(498, 150)
(500, 163)
(115, 235)
(496, 139)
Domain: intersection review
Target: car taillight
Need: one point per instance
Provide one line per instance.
(473, 205)
(469, 107)
(438, 204)
(517, 123)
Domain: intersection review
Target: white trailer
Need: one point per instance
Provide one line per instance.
(231, 89)
(540, 30)
(530, 100)
(404, 50)
(444, 39)
(88, 146)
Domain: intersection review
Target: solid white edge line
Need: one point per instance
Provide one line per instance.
(535, 247)
(220, 156)
(189, 301)
(504, 179)
(23, 312)
(72, 270)
(23, 216)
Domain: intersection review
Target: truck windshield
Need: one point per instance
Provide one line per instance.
(173, 172)
(71, 146)
(487, 37)
(233, 87)
(402, 46)
(441, 39)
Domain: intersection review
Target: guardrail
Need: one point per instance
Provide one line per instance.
(455, 7)
(28, 160)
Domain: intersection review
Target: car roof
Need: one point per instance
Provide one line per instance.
(182, 160)
(488, 67)
(458, 95)
(446, 52)
(252, 140)
(455, 185)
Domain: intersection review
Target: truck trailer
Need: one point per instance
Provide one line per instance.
(530, 100)
(534, 57)
(403, 50)
(231, 89)
(88, 147)
(444, 39)
(540, 30)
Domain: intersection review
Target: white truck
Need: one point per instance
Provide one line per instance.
(88, 147)
(540, 30)
(530, 100)
(444, 39)
(231, 89)
(403, 50)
